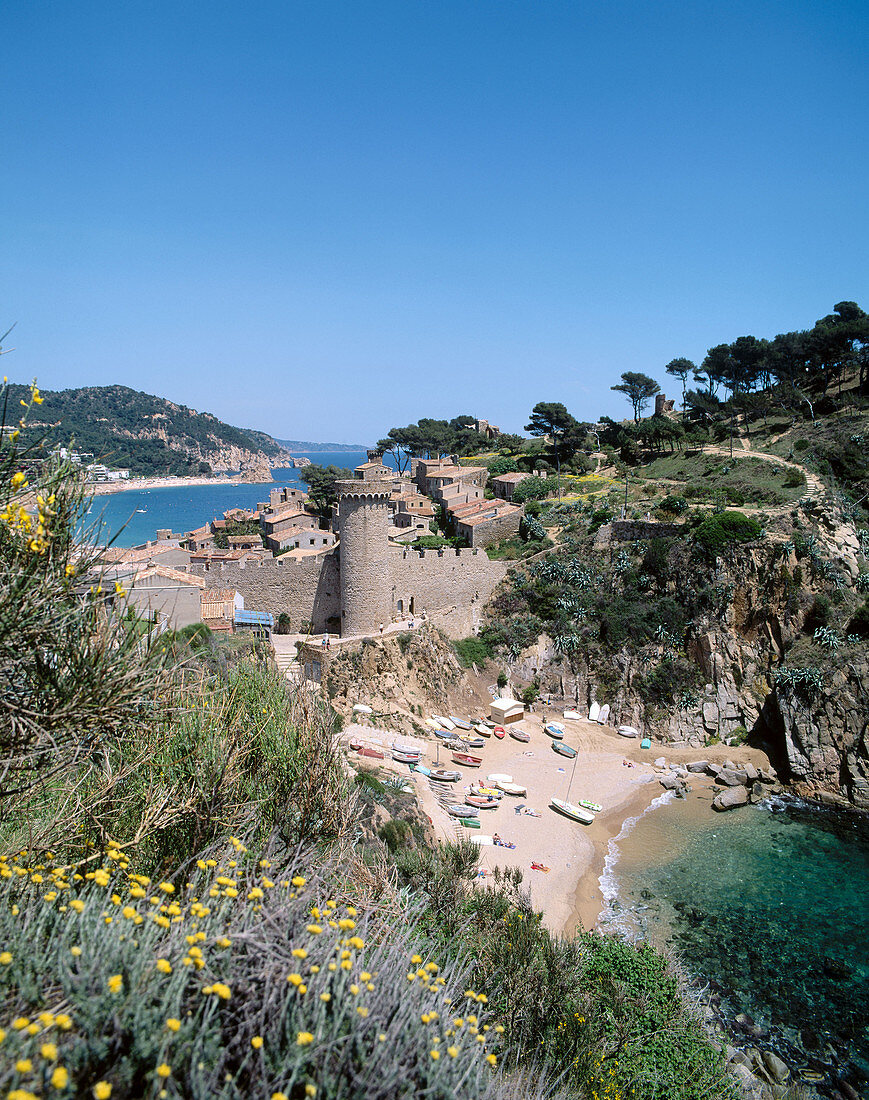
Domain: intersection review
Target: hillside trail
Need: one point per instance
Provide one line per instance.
(814, 486)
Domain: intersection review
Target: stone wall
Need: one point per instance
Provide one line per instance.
(634, 530)
(502, 526)
(450, 586)
(306, 588)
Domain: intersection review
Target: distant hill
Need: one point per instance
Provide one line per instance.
(325, 448)
(150, 435)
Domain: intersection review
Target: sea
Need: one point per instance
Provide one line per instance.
(133, 517)
(767, 906)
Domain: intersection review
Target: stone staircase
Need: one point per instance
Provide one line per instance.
(285, 657)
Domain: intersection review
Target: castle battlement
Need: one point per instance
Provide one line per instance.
(444, 552)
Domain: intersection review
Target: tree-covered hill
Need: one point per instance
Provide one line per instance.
(126, 428)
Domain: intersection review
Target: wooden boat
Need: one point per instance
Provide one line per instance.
(499, 732)
(594, 712)
(571, 810)
(445, 775)
(497, 778)
(518, 734)
(455, 744)
(472, 741)
(431, 722)
(563, 750)
(445, 735)
(482, 729)
(470, 823)
(462, 811)
(603, 717)
(422, 769)
(461, 723)
(628, 731)
(403, 757)
(467, 760)
(513, 788)
(573, 715)
(364, 749)
(480, 802)
(554, 730)
(485, 792)
(443, 723)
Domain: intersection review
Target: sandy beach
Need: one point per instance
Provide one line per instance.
(569, 894)
(106, 488)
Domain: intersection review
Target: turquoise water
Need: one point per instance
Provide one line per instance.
(770, 905)
(183, 508)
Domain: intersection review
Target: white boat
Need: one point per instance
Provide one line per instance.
(496, 778)
(443, 723)
(554, 730)
(486, 792)
(573, 715)
(628, 731)
(519, 734)
(432, 723)
(603, 717)
(463, 811)
(403, 757)
(362, 708)
(482, 729)
(570, 809)
(594, 712)
(513, 788)
(460, 723)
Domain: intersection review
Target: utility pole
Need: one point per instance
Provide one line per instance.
(625, 508)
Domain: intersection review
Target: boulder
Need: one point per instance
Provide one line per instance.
(713, 769)
(661, 762)
(698, 765)
(669, 782)
(730, 778)
(775, 1067)
(758, 792)
(729, 799)
(751, 771)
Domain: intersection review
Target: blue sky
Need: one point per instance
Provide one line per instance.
(323, 219)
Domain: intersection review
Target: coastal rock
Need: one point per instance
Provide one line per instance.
(729, 799)
(775, 1067)
(669, 783)
(698, 765)
(758, 792)
(751, 772)
(731, 778)
(661, 762)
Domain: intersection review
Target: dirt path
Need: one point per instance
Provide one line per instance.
(814, 485)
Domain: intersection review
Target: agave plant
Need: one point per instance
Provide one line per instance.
(827, 638)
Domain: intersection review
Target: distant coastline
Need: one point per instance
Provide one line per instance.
(319, 448)
(105, 488)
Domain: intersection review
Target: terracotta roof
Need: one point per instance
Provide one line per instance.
(489, 514)
(514, 477)
(170, 575)
(218, 595)
(131, 554)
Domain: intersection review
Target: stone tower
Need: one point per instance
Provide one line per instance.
(364, 557)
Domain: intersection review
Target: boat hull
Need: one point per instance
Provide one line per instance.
(563, 750)
(574, 812)
(466, 761)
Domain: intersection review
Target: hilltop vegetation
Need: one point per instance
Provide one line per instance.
(126, 428)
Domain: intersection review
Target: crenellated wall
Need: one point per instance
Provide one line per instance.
(304, 588)
(450, 586)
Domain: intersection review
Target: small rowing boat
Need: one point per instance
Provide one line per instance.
(563, 750)
(470, 823)
(628, 731)
(497, 778)
(365, 749)
(480, 802)
(571, 810)
(472, 741)
(513, 788)
(443, 723)
(445, 735)
(499, 732)
(460, 723)
(554, 730)
(589, 805)
(462, 811)
(518, 734)
(573, 715)
(486, 792)
(403, 757)
(482, 729)
(467, 760)
(445, 775)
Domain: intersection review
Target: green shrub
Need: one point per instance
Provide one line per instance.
(502, 465)
(395, 834)
(859, 623)
(801, 445)
(718, 532)
(472, 651)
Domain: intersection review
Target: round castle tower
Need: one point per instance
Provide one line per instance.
(364, 557)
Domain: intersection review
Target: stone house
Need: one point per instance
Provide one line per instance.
(504, 485)
(218, 607)
(158, 592)
(489, 523)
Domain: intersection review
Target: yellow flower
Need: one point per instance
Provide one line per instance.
(163, 1070)
(452, 1051)
(294, 979)
(354, 989)
(304, 1038)
(362, 1010)
(256, 1042)
(60, 1078)
(115, 983)
(20, 1023)
(435, 1054)
(18, 480)
(223, 941)
(46, 1018)
(299, 953)
(5, 958)
(77, 905)
(491, 1059)
(166, 887)
(173, 1024)
(298, 881)
(63, 1021)
(310, 1090)
(48, 1051)
(164, 966)
(347, 925)
(24, 1065)
(326, 997)
(222, 991)
(255, 894)
(314, 929)
(101, 878)
(279, 1096)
